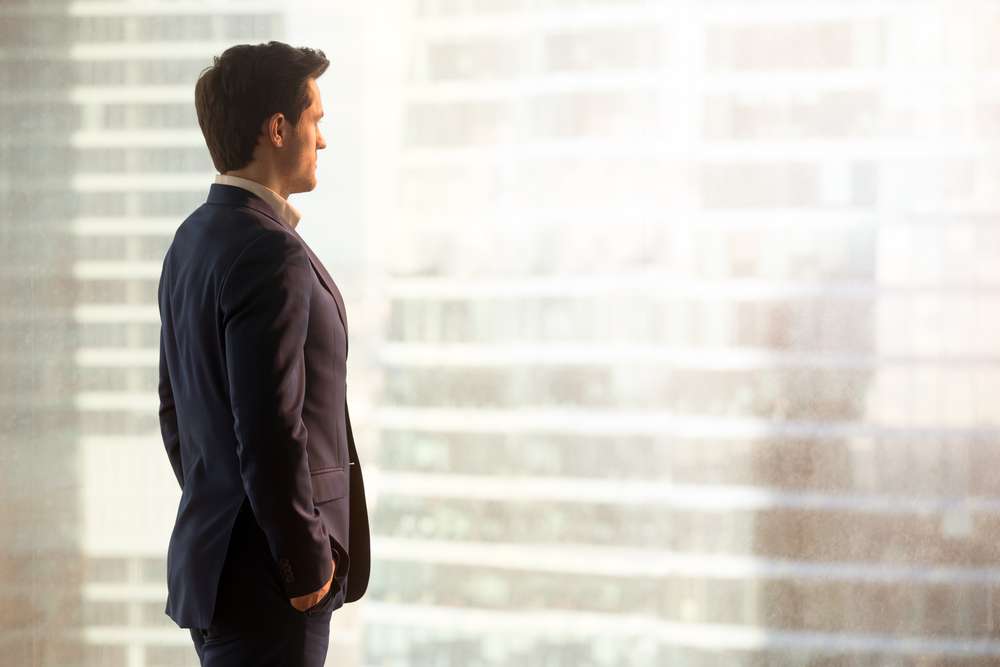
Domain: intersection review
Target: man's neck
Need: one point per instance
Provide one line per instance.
(283, 208)
(257, 175)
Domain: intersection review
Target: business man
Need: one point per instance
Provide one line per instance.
(271, 534)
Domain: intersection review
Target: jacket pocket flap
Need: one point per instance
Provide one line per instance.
(329, 484)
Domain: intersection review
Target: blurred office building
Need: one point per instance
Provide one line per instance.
(40, 515)
(691, 351)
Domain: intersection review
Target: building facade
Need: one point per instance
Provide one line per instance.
(674, 371)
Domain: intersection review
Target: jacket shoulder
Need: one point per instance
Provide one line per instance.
(267, 253)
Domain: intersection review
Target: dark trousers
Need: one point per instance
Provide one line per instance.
(254, 624)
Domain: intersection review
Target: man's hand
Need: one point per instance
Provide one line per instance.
(304, 602)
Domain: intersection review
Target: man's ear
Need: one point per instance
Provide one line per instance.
(274, 129)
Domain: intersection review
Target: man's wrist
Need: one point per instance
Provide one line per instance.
(305, 602)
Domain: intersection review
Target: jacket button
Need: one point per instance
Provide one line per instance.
(286, 570)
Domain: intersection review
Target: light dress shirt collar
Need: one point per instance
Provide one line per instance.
(286, 212)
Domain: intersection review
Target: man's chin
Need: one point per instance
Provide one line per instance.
(307, 186)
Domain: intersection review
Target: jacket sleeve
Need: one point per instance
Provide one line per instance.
(264, 303)
(168, 418)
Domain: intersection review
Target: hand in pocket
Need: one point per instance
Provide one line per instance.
(305, 602)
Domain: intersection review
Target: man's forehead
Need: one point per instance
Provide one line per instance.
(317, 102)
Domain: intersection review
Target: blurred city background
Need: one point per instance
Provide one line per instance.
(675, 325)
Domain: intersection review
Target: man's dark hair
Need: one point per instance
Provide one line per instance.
(245, 86)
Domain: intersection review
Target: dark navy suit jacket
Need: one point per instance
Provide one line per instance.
(253, 406)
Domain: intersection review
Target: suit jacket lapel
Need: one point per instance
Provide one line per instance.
(328, 283)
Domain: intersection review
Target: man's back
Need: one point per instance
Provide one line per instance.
(250, 319)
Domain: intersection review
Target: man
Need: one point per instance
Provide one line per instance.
(271, 534)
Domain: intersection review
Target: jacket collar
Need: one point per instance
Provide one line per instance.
(286, 212)
(232, 195)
